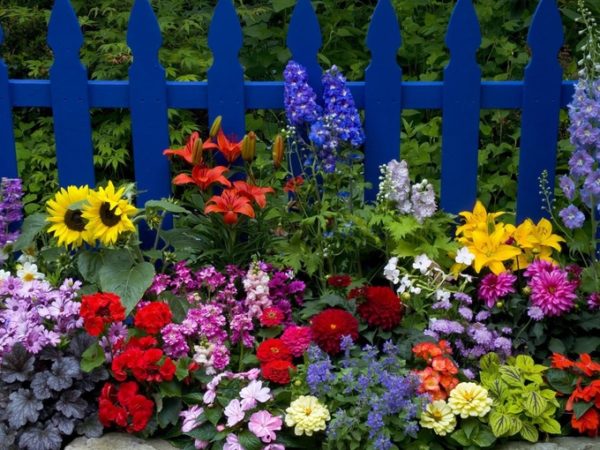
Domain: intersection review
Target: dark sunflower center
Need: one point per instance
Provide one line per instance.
(108, 216)
(74, 221)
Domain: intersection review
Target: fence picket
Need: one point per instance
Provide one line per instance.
(460, 116)
(148, 105)
(541, 108)
(8, 155)
(383, 102)
(69, 97)
(226, 75)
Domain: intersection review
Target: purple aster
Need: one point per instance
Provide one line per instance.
(445, 326)
(536, 313)
(465, 312)
(572, 217)
(493, 287)
(482, 315)
(464, 298)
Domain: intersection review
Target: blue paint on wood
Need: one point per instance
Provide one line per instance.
(69, 98)
(383, 94)
(148, 104)
(460, 119)
(541, 105)
(8, 155)
(226, 75)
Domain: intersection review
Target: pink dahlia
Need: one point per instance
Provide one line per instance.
(539, 266)
(553, 292)
(494, 287)
(297, 339)
(593, 300)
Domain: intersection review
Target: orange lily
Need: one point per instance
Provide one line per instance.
(230, 203)
(230, 150)
(253, 193)
(203, 177)
(187, 152)
(293, 183)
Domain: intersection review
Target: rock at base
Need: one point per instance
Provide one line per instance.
(562, 443)
(118, 441)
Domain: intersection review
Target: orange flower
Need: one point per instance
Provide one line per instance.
(426, 350)
(586, 365)
(230, 203)
(187, 152)
(253, 193)
(442, 364)
(293, 183)
(588, 423)
(230, 150)
(203, 177)
(561, 361)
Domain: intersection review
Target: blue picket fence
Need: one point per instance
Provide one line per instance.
(382, 95)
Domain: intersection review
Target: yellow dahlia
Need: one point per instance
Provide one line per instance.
(65, 215)
(307, 415)
(469, 400)
(108, 214)
(439, 417)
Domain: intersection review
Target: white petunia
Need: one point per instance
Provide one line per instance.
(464, 256)
(422, 263)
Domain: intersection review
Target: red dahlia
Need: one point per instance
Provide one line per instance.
(273, 349)
(153, 316)
(339, 281)
(277, 371)
(98, 310)
(329, 326)
(271, 317)
(381, 307)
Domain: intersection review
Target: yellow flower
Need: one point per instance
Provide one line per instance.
(108, 214)
(469, 400)
(307, 415)
(491, 250)
(65, 215)
(478, 219)
(537, 242)
(439, 417)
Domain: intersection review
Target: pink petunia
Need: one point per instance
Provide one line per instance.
(264, 425)
(234, 412)
(253, 393)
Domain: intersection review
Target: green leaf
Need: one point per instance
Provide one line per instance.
(469, 425)
(534, 403)
(88, 264)
(280, 5)
(169, 414)
(181, 371)
(249, 441)
(500, 423)
(561, 380)
(556, 346)
(460, 437)
(529, 432)
(484, 437)
(511, 375)
(167, 206)
(32, 225)
(489, 362)
(92, 357)
(170, 389)
(214, 414)
(550, 426)
(587, 344)
(580, 408)
(204, 432)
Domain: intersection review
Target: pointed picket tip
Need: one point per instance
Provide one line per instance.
(64, 31)
(225, 32)
(143, 32)
(546, 31)
(463, 30)
(304, 33)
(384, 31)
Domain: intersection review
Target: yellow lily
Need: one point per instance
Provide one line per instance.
(478, 219)
(491, 250)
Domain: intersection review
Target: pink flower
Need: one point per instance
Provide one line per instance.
(297, 339)
(254, 392)
(553, 292)
(209, 396)
(200, 444)
(539, 266)
(593, 301)
(264, 425)
(190, 418)
(494, 287)
(234, 412)
(274, 447)
(232, 443)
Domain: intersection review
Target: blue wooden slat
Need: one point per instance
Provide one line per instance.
(304, 41)
(148, 104)
(8, 156)
(226, 75)
(541, 105)
(69, 98)
(383, 78)
(460, 118)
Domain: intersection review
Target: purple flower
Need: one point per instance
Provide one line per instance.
(465, 312)
(445, 326)
(536, 313)
(568, 187)
(580, 163)
(593, 301)
(592, 183)
(11, 192)
(298, 97)
(494, 287)
(572, 217)
(464, 298)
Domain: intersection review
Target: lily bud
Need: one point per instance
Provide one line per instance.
(215, 127)
(197, 152)
(249, 146)
(278, 150)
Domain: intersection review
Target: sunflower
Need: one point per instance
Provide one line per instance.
(108, 214)
(65, 214)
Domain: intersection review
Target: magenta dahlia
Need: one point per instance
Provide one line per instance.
(553, 292)
(494, 287)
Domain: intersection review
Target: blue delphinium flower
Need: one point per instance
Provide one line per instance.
(298, 97)
(572, 217)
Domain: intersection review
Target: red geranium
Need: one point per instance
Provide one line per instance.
(271, 317)
(339, 281)
(124, 407)
(273, 349)
(153, 316)
(98, 310)
(381, 307)
(146, 365)
(277, 371)
(329, 326)
(588, 423)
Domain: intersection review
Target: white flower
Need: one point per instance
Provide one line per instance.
(442, 295)
(391, 272)
(422, 263)
(254, 392)
(4, 275)
(25, 258)
(234, 412)
(464, 256)
(29, 272)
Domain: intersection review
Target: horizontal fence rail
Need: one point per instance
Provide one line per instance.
(382, 96)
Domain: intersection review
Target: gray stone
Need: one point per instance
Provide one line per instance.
(118, 441)
(562, 443)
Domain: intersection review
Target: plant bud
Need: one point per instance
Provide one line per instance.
(499, 304)
(405, 296)
(249, 146)
(215, 127)
(526, 290)
(278, 149)
(197, 152)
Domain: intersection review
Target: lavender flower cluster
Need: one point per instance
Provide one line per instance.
(381, 394)
(11, 209)
(417, 199)
(584, 164)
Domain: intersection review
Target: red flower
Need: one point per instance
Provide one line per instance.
(271, 317)
(124, 407)
(153, 316)
(203, 177)
(230, 150)
(329, 326)
(381, 308)
(142, 343)
(588, 423)
(273, 349)
(187, 152)
(339, 281)
(586, 365)
(253, 193)
(100, 309)
(561, 361)
(357, 292)
(293, 183)
(277, 371)
(230, 203)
